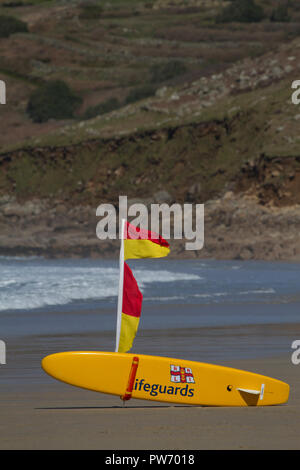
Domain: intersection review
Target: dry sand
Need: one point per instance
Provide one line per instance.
(38, 413)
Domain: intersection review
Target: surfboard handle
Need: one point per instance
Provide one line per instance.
(131, 379)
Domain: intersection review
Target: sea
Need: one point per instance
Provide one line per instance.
(235, 308)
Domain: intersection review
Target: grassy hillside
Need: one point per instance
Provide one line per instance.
(105, 51)
(210, 151)
(225, 103)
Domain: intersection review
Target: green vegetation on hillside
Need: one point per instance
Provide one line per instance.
(11, 25)
(109, 105)
(280, 13)
(140, 94)
(90, 11)
(163, 72)
(210, 151)
(52, 100)
(243, 11)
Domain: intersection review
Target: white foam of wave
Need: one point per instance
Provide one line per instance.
(19, 258)
(258, 291)
(9, 282)
(144, 276)
(35, 286)
(214, 294)
(165, 299)
(224, 294)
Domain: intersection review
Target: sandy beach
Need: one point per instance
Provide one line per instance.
(38, 412)
(181, 118)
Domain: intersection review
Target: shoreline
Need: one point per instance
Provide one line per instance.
(211, 344)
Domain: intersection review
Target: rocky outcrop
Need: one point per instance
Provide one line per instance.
(236, 227)
(273, 180)
(248, 74)
(241, 228)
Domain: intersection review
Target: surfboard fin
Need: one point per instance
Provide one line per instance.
(254, 392)
(247, 390)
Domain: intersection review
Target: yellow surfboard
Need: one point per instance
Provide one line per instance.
(164, 379)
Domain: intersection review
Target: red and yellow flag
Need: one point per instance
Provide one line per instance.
(131, 310)
(141, 243)
(136, 243)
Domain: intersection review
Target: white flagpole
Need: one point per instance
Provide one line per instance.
(121, 281)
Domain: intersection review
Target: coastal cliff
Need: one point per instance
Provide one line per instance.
(224, 134)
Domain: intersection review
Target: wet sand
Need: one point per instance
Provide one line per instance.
(38, 412)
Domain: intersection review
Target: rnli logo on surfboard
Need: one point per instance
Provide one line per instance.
(182, 375)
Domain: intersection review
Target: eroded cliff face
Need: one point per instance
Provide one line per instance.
(172, 158)
(273, 180)
(252, 206)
